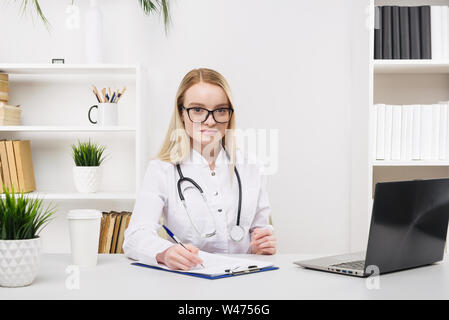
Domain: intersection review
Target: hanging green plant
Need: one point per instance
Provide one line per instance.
(25, 4)
(157, 6)
(148, 6)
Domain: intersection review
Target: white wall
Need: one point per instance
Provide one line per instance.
(289, 66)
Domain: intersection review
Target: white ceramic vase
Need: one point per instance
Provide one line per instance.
(87, 179)
(19, 261)
(93, 34)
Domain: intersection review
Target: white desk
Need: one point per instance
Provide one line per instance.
(115, 278)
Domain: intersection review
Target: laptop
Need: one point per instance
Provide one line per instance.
(408, 229)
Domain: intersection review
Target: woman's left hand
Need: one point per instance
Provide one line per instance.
(263, 241)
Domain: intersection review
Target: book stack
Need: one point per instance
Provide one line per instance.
(419, 32)
(9, 115)
(4, 88)
(412, 132)
(16, 166)
(112, 232)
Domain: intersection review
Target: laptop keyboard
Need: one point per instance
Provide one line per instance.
(357, 265)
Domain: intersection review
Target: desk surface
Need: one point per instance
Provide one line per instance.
(115, 278)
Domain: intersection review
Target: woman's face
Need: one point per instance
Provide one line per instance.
(210, 97)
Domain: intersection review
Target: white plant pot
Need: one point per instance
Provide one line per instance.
(87, 179)
(19, 261)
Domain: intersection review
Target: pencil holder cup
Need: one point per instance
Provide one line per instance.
(106, 114)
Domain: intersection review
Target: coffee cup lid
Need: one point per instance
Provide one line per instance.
(84, 214)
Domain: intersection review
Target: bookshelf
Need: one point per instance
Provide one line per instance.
(403, 82)
(55, 100)
(67, 129)
(410, 67)
(49, 195)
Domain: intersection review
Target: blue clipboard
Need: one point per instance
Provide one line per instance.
(205, 276)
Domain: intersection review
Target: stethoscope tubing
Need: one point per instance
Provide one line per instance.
(182, 178)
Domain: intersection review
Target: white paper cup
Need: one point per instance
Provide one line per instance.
(84, 227)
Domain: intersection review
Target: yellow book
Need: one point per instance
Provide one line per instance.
(116, 232)
(12, 165)
(4, 96)
(124, 225)
(100, 244)
(5, 166)
(104, 231)
(4, 86)
(24, 165)
(110, 232)
(4, 76)
(1, 178)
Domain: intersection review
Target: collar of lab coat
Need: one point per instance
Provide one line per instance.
(196, 158)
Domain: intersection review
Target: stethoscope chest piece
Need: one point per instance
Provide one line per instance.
(237, 233)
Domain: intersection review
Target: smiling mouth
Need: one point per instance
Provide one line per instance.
(209, 131)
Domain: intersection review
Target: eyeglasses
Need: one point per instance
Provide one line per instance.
(198, 114)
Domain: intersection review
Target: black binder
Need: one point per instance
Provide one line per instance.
(415, 33)
(396, 34)
(426, 47)
(404, 26)
(387, 48)
(378, 32)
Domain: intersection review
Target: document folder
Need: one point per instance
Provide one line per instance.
(218, 266)
(209, 276)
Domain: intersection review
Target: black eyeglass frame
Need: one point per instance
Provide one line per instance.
(209, 112)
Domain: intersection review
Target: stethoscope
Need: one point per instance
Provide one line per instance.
(237, 232)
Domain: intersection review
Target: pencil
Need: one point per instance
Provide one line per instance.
(96, 93)
(121, 93)
(104, 94)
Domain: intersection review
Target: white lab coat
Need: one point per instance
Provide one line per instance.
(158, 196)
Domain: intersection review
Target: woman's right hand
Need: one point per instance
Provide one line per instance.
(177, 257)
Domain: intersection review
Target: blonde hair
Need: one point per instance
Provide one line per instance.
(177, 145)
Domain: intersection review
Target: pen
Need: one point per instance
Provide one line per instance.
(176, 239)
(250, 269)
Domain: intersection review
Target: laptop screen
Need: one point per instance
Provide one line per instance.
(408, 224)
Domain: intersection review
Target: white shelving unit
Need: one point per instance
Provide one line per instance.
(423, 163)
(55, 100)
(70, 69)
(406, 82)
(411, 67)
(79, 196)
(66, 129)
(390, 82)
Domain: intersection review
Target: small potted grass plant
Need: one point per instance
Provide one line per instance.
(21, 220)
(88, 157)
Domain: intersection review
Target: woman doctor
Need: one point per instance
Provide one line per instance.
(233, 215)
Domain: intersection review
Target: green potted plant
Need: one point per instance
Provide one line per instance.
(21, 220)
(88, 157)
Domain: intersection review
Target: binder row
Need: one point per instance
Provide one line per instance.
(419, 32)
(411, 132)
(112, 231)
